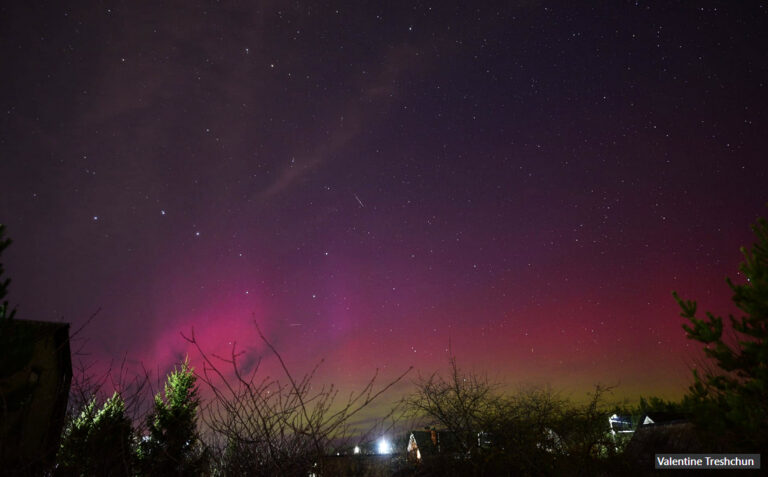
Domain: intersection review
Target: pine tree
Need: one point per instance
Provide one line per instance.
(5, 312)
(732, 399)
(97, 442)
(173, 446)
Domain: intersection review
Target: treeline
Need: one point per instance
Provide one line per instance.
(254, 427)
(263, 427)
(531, 432)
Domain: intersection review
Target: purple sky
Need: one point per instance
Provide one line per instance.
(528, 179)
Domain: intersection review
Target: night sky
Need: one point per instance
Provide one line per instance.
(371, 180)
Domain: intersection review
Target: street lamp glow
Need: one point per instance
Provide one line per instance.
(356, 450)
(384, 446)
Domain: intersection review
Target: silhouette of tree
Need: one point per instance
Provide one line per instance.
(173, 446)
(531, 432)
(732, 400)
(97, 442)
(267, 427)
(5, 312)
(463, 404)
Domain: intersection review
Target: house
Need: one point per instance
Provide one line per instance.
(662, 432)
(421, 444)
(35, 375)
(429, 442)
(621, 428)
(620, 424)
(662, 418)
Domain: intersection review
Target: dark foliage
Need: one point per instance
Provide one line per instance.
(173, 446)
(98, 442)
(5, 311)
(730, 401)
(534, 432)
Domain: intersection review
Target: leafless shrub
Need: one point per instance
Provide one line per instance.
(262, 426)
(531, 432)
(462, 404)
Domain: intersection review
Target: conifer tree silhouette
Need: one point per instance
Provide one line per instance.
(173, 446)
(731, 399)
(5, 312)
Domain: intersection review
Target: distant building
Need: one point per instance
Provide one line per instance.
(35, 375)
(662, 432)
(621, 429)
(429, 442)
(421, 444)
(621, 424)
(662, 418)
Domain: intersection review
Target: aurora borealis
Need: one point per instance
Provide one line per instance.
(529, 180)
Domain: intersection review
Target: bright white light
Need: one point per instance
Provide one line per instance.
(384, 446)
(356, 450)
